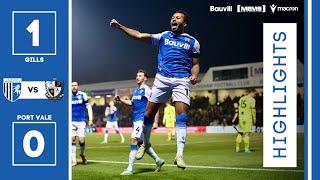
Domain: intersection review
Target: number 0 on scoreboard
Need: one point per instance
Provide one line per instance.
(34, 144)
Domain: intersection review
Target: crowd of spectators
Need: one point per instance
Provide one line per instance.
(202, 112)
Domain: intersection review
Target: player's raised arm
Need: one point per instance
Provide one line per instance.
(131, 32)
(106, 112)
(124, 101)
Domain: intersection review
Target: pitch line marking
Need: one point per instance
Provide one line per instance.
(163, 144)
(207, 167)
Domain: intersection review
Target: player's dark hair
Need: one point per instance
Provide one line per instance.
(251, 90)
(185, 14)
(144, 72)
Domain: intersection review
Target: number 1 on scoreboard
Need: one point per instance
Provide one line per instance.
(34, 29)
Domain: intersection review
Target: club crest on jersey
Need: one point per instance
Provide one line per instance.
(54, 89)
(177, 44)
(12, 88)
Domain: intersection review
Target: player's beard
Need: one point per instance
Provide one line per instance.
(174, 28)
(177, 28)
(139, 82)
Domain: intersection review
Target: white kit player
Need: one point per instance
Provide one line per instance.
(178, 68)
(80, 106)
(139, 102)
(112, 122)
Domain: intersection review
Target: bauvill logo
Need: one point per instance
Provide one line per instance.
(275, 8)
(220, 8)
(177, 44)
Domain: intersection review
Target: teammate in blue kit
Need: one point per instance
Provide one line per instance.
(80, 105)
(178, 68)
(139, 101)
(112, 122)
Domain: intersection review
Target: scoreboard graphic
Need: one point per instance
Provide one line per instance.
(34, 82)
(37, 29)
(34, 144)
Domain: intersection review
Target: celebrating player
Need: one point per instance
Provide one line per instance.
(112, 122)
(247, 118)
(79, 107)
(178, 68)
(139, 101)
(169, 120)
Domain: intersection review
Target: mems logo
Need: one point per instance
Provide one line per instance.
(251, 9)
(177, 44)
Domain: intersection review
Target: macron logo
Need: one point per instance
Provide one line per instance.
(273, 8)
(177, 44)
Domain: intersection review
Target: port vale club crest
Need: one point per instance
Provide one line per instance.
(12, 88)
(54, 89)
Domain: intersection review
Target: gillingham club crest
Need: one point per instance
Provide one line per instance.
(12, 88)
(54, 89)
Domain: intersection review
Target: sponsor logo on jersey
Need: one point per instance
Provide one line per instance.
(139, 97)
(78, 101)
(177, 44)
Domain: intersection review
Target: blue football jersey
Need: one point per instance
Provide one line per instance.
(175, 53)
(79, 108)
(139, 102)
(112, 114)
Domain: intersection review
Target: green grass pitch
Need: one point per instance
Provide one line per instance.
(210, 156)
